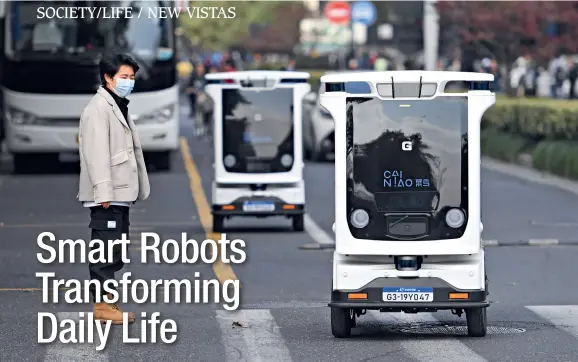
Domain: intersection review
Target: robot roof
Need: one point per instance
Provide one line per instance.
(407, 76)
(257, 74)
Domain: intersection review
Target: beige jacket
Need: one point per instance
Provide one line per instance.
(112, 166)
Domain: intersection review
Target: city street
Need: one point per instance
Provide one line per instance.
(531, 230)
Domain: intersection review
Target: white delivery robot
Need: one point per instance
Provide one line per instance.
(407, 195)
(258, 145)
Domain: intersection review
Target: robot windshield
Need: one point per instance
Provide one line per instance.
(407, 162)
(258, 130)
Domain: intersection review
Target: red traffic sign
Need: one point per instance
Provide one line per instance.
(338, 12)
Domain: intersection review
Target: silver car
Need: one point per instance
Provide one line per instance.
(318, 125)
(318, 128)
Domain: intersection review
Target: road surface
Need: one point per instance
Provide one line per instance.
(533, 317)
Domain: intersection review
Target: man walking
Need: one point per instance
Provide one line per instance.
(196, 85)
(113, 174)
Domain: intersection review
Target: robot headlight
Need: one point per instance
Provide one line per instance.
(359, 218)
(286, 160)
(229, 161)
(455, 218)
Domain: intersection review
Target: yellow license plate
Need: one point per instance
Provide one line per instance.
(77, 139)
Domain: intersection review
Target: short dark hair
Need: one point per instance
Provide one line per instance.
(110, 64)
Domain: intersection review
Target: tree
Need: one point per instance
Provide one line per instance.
(282, 33)
(221, 33)
(506, 29)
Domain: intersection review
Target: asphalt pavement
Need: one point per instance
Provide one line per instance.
(531, 231)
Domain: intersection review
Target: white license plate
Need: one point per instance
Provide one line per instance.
(408, 295)
(258, 207)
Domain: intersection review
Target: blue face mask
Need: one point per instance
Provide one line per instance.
(123, 87)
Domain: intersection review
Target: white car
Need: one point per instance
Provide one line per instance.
(318, 125)
(318, 128)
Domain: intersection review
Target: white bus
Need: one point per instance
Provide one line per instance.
(50, 71)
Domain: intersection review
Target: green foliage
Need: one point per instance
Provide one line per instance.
(535, 119)
(502, 146)
(220, 34)
(548, 128)
(315, 78)
(269, 66)
(557, 157)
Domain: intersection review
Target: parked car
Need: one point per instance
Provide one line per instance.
(318, 125)
(318, 128)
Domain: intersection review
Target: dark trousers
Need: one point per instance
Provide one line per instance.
(108, 225)
(207, 118)
(572, 94)
(193, 104)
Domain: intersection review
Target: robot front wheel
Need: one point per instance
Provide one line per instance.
(218, 223)
(477, 321)
(299, 222)
(342, 320)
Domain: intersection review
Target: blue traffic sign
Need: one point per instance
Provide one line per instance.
(363, 12)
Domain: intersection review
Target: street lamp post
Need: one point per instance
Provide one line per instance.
(430, 34)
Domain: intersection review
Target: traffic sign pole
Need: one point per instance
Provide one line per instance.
(362, 12)
(352, 40)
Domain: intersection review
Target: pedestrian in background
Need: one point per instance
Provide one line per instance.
(380, 63)
(572, 77)
(113, 174)
(291, 66)
(201, 103)
(495, 70)
(558, 70)
(196, 85)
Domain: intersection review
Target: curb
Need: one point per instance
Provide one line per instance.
(485, 243)
(531, 242)
(317, 246)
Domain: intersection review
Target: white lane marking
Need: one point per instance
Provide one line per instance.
(430, 350)
(531, 175)
(86, 352)
(317, 233)
(490, 242)
(142, 228)
(260, 341)
(564, 317)
(555, 224)
(537, 242)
